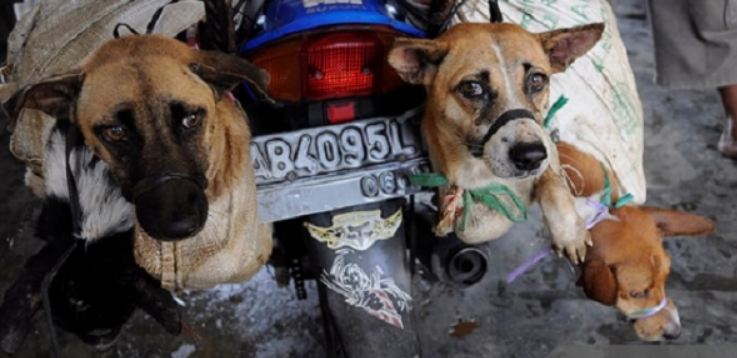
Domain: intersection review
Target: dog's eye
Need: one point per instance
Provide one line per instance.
(536, 82)
(471, 89)
(640, 294)
(191, 120)
(115, 133)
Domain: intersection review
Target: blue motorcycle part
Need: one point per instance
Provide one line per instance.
(286, 17)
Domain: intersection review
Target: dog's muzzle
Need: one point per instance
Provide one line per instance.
(664, 327)
(506, 117)
(525, 156)
(151, 182)
(171, 206)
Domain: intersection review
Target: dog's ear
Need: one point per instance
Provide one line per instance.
(599, 282)
(54, 96)
(565, 45)
(7, 90)
(224, 72)
(679, 223)
(417, 60)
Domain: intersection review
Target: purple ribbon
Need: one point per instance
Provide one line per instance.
(527, 264)
(650, 311)
(600, 214)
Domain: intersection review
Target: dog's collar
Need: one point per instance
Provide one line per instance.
(74, 139)
(649, 311)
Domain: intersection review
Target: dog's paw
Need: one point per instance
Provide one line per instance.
(572, 240)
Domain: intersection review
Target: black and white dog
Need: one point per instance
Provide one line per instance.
(86, 265)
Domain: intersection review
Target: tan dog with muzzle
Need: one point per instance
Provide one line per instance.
(159, 116)
(487, 87)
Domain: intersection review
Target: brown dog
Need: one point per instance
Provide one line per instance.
(627, 267)
(487, 87)
(158, 115)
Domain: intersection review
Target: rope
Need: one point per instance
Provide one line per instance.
(446, 22)
(149, 27)
(116, 29)
(490, 196)
(495, 13)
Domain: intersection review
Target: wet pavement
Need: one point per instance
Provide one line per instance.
(541, 313)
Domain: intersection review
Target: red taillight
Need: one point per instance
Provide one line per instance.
(341, 112)
(328, 65)
(342, 64)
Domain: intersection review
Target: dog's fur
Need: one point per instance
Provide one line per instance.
(103, 210)
(628, 267)
(147, 76)
(502, 58)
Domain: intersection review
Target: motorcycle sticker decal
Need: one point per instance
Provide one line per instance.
(358, 230)
(379, 296)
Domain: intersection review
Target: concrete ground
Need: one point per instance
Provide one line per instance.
(542, 313)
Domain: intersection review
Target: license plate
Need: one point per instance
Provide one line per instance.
(327, 168)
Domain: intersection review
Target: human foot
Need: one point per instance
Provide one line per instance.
(727, 143)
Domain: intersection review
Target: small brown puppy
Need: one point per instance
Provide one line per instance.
(487, 87)
(157, 113)
(627, 267)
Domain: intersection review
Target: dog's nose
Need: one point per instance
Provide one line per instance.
(673, 332)
(528, 156)
(173, 210)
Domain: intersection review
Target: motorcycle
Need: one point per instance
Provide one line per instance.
(334, 160)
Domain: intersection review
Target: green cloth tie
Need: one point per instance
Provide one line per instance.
(606, 197)
(559, 103)
(491, 196)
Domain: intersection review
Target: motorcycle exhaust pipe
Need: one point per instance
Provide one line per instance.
(467, 266)
(448, 259)
(457, 263)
